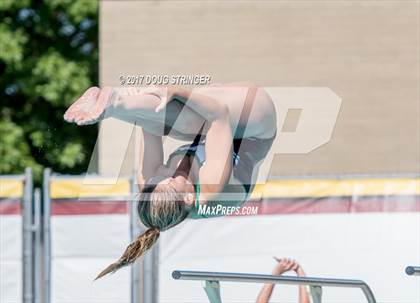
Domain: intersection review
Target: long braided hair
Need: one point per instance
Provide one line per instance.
(160, 207)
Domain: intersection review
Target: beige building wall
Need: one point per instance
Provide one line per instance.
(367, 52)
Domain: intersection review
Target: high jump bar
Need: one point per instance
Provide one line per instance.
(261, 278)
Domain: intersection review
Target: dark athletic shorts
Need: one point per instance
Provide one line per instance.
(251, 152)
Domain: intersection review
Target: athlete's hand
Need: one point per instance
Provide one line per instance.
(164, 93)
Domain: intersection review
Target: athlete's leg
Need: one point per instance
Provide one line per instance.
(133, 106)
(123, 103)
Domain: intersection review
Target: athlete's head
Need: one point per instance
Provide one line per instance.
(163, 203)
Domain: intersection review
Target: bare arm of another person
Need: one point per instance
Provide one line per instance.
(283, 266)
(303, 293)
(267, 290)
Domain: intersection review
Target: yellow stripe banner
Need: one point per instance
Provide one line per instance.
(10, 188)
(88, 188)
(333, 187)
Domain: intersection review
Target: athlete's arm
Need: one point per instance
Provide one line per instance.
(216, 171)
(151, 157)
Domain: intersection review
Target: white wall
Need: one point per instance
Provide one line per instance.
(374, 247)
(82, 246)
(10, 258)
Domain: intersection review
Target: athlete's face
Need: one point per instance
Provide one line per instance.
(178, 181)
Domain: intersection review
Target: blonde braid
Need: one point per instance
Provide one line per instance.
(133, 251)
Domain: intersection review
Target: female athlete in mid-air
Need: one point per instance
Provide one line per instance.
(231, 127)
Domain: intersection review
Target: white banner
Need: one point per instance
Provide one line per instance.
(374, 247)
(82, 246)
(10, 258)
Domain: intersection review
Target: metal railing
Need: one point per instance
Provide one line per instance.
(36, 273)
(412, 270)
(46, 224)
(30, 234)
(212, 277)
(143, 285)
(27, 238)
(37, 256)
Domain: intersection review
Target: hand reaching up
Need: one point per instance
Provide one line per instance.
(283, 265)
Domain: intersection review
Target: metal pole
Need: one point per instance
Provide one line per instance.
(134, 232)
(47, 236)
(37, 245)
(412, 270)
(151, 275)
(259, 278)
(155, 268)
(212, 290)
(148, 267)
(27, 268)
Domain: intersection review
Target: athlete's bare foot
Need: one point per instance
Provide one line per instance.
(90, 107)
